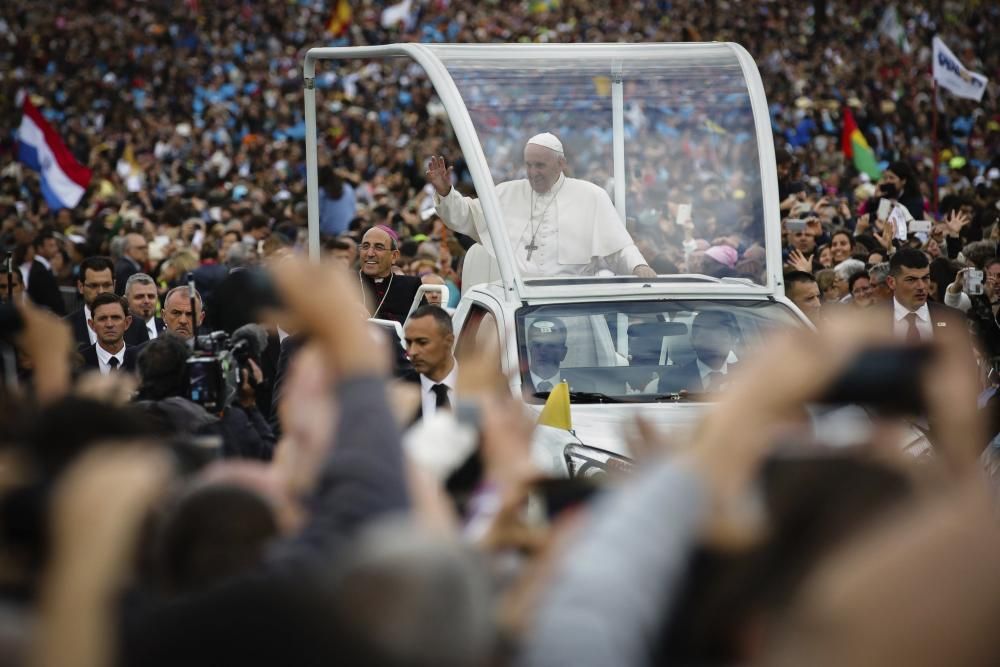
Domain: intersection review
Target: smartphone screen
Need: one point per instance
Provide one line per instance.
(684, 214)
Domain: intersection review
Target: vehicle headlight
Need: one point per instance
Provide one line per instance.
(584, 461)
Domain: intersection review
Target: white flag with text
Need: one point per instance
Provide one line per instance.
(952, 75)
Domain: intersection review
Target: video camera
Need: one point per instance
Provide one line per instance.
(214, 369)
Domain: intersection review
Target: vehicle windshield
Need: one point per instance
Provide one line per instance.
(690, 146)
(641, 351)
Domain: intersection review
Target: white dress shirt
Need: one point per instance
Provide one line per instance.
(151, 328)
(706, 371)
(428, 399)
(902, 325)
(538, 379)
(104, 357)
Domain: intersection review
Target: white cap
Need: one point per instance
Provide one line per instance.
(547, 140)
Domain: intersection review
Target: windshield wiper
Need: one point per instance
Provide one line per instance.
(584, 397)
(681, 397)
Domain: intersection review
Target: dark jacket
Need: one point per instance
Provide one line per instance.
(241, 433)
(289, 347)
(137, 333)
(125, 268)
(43, 288)
(391, 299)
(90, 360)
(77, 320)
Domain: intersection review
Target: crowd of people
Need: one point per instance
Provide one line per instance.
(205, 456)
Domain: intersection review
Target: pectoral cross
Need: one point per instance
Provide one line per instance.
(531, 247)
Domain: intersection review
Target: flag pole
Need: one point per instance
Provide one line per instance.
(934, 146)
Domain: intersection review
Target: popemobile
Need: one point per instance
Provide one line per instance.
(649, 134)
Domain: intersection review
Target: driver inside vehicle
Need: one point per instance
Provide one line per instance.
(714, 336)
(546, 338)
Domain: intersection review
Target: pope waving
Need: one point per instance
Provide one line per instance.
(556, 225)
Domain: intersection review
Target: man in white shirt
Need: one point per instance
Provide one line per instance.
(109, 321)
(142, 295)
(556, 225)
(429, 341)
(914, 318)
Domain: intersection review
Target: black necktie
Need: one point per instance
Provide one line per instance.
(441, 402)
(113, 363)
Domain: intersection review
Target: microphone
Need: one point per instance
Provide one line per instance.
(254, 336)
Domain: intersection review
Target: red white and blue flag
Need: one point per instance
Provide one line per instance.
(39, 146)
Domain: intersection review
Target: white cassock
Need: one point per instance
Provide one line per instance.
(571, 230)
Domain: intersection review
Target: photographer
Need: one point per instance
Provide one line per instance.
(981, 309)
(165, 389)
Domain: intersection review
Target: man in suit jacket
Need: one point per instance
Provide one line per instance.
(43, 288)
(429, 341)
(110, 320)
(142, 296)
(914, 318)
(714, 334)
(96, 277)
(135, 254)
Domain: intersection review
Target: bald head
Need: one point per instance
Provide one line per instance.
(378, 252)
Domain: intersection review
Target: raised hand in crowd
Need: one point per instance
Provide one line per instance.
(799, 262)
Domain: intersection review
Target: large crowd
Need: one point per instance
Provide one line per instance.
(262, 495)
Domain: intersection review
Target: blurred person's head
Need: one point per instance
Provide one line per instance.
(15, 280)
(229, 238)
(898, 181)
(732, 601)
(258, 227)
(379, 252)
(162, 367)
(238, 255)
(421, 599)
(802, 289)
(713, 335)
(136, 248)
(433, 298)
(142, 295)
(544, 161)
(824, 257)
(843, 272)
(841, 245)
(826, 280)
(109, 319)
(97, 276)
(177, 315)
(212, 532)
(909, 278)
(546, 342)
(803, 240)
(429, 341)
(991, 276)
(860, 289)
(977, 252)
(339, 252)
(45, 244)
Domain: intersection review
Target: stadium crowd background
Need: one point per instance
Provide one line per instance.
(192, 113)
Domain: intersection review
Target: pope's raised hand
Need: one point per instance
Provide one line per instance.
(439, 175)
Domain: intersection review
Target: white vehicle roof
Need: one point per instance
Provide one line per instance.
(679, 115)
